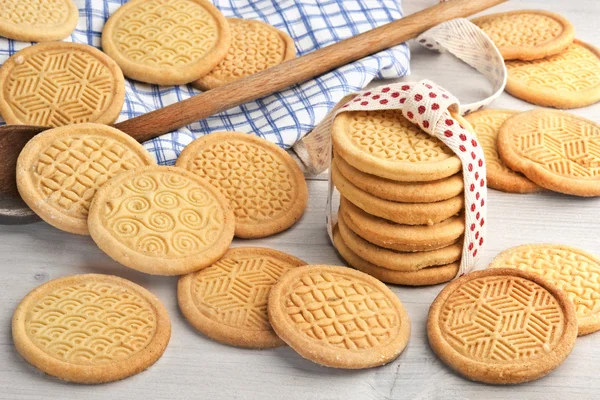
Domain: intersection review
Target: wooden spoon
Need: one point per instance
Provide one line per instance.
(167, 119)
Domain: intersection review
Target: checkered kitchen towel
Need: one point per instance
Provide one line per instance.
(284, 117)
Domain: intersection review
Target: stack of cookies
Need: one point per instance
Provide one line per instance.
(400, 217)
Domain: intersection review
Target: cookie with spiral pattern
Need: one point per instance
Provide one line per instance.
(502, 326)
(527, 34)
(573, 270)
(338, 317)
(557, 150)
(161, 220)
(91, 328)
(37, 20)
(58, 83)
(255, 46)
(60, 170)
(570, 79)
(264, 185)
(228, 300)
(166, 42)
(486, 124)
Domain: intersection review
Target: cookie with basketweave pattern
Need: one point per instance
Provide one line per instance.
(255, 46)
(161, 220)
(91, 328)
(37, 20)
(555, 149)
(59, 83)
(486, 124)
(263, 183)
(166, 42)
(573, 270)
(228, 300)
(60, 170)
(502, 326)
(338, 317)
(527, 34)
(570, 79)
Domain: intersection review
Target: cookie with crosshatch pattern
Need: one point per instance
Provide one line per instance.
(265, 186)
(37, 20)
(228, 300)
(91, 328)
(161, 220)
(502, 326)
(338, 317)
(166, 42)
(60, 170)
(58, 83)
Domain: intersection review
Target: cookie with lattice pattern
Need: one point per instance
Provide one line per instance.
(263, 183)
(573, 270)
(502, 326)
(228, 300)
(91, 328)
(555, 149)
(166, 42)
(58, 83)
(338, 317)
(37, 20)
(255, 46)
(60, 170)
(527, 34)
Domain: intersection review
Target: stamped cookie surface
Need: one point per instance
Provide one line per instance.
(59, 83)
(486, 124)
(255, 46)
(570, 79)
(338, 317)
(557, 150)
(161, 220)
(573, 270)
(228, 300)
(527, 34)
(502, 326)
(265, 186)
(37, 20)
(166, 42)
(60, 170)
(91, 328)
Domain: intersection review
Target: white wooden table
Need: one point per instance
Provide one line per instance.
(194, 366)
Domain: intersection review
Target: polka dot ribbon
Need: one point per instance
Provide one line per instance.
(428, 106)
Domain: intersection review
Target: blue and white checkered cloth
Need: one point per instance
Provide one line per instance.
(283, 117)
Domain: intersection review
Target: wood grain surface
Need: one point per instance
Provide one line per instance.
(195, 367)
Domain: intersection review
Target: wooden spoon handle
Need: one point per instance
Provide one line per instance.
(166, 119)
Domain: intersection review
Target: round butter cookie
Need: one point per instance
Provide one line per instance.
(557, 150)
(91, 328)
(396, 260)
(385, 144)
(58, 83)
(60, 170)
(399, 237)
(166, 42)
(37, 20)
(527, 34)
(228, 300)
(570, 79)
(161, 220)
(263, 183)
(569, 268)
(338, 317)
(255, 46)
(403, 192)
(401, 213)
(486, 124)
(424, 277)
(502, 326)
